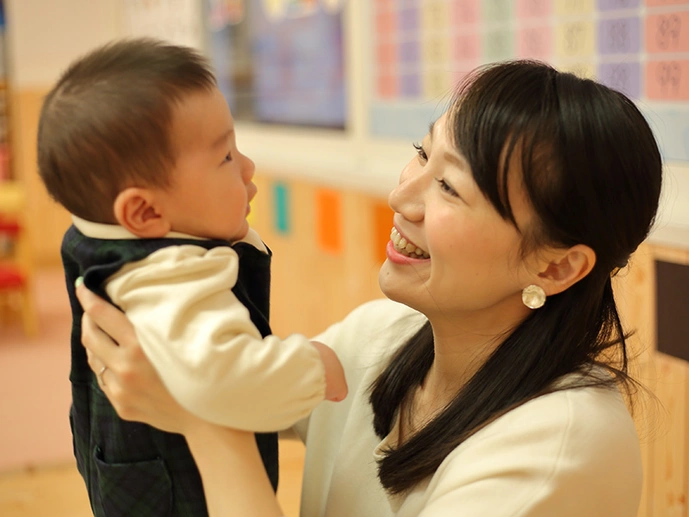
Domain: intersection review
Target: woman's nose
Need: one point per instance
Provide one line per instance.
(407, 198)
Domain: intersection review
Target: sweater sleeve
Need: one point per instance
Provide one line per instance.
(209, 354)
(363, 341)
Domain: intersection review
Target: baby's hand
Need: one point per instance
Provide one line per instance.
(335, 382)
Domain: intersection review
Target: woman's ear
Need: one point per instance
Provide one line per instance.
(137, 210)
(566, 268)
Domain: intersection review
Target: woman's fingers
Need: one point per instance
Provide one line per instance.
(125, 375)
(98, 344)
(96, 364)
(111, 320)
(110, 362)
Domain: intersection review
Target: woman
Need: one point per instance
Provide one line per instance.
(490, 383)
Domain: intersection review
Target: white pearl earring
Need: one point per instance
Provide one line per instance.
(533, 297)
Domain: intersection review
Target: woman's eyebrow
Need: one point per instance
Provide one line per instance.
(458, 161)
(430, 129)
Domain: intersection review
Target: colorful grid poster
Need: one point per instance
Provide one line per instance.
(424, 47)
(280, 61)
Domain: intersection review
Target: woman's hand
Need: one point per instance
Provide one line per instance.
(125, 374)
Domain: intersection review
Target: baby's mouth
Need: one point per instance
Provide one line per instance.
(405, 247)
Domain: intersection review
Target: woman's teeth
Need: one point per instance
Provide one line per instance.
(405, 247)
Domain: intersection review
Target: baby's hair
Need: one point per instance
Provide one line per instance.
(106, 124)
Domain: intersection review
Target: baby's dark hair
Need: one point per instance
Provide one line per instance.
(106, 124)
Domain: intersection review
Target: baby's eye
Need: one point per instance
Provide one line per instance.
(419, 150)
(445, 187)
(228, 158)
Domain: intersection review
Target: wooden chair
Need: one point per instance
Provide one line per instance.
(16, 271)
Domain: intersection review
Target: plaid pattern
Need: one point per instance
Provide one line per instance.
(132, 469)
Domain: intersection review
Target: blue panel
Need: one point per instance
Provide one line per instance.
(281, 208)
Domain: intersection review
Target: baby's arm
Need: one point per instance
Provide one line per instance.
(207, 351)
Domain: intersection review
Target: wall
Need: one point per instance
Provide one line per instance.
(42, 38)
(45, 36)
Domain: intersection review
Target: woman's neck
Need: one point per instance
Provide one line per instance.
(461, 347)
(459, 353)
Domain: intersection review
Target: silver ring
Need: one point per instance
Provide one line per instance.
(100, 375)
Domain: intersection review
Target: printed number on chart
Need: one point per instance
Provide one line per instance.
(669, 75)
(669, 28)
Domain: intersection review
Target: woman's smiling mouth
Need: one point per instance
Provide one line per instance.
(406, 247)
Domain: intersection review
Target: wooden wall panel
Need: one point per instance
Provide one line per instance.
(669, 450)
(47, 220)
(662, 417)
(635, 296)
(685, 493)
(313, 288)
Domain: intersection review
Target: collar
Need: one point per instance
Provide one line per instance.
(117, 232)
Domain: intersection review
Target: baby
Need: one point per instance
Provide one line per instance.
(137, 142)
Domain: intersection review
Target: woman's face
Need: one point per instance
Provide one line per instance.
(468, 269)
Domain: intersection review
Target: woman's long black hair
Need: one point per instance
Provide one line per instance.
(592, 172)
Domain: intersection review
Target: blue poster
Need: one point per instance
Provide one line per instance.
(279, 65)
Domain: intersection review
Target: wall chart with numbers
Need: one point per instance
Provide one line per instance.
(421, 48)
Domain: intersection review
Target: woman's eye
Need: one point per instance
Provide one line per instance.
(445, 187)
(419, 150)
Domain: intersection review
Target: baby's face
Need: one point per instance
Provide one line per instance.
(211, 182)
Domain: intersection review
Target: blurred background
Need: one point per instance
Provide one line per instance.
(328, 96)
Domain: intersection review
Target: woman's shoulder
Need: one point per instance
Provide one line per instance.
(575, 448)
(592, 424)
(592, 419)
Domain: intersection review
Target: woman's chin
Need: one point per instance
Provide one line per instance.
(392, 285)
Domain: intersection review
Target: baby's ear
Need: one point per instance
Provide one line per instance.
(137, 210)
(566, 268)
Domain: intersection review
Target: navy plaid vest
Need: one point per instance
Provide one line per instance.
(130, 468)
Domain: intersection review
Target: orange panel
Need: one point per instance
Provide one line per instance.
(382, 224)
(329, 220)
